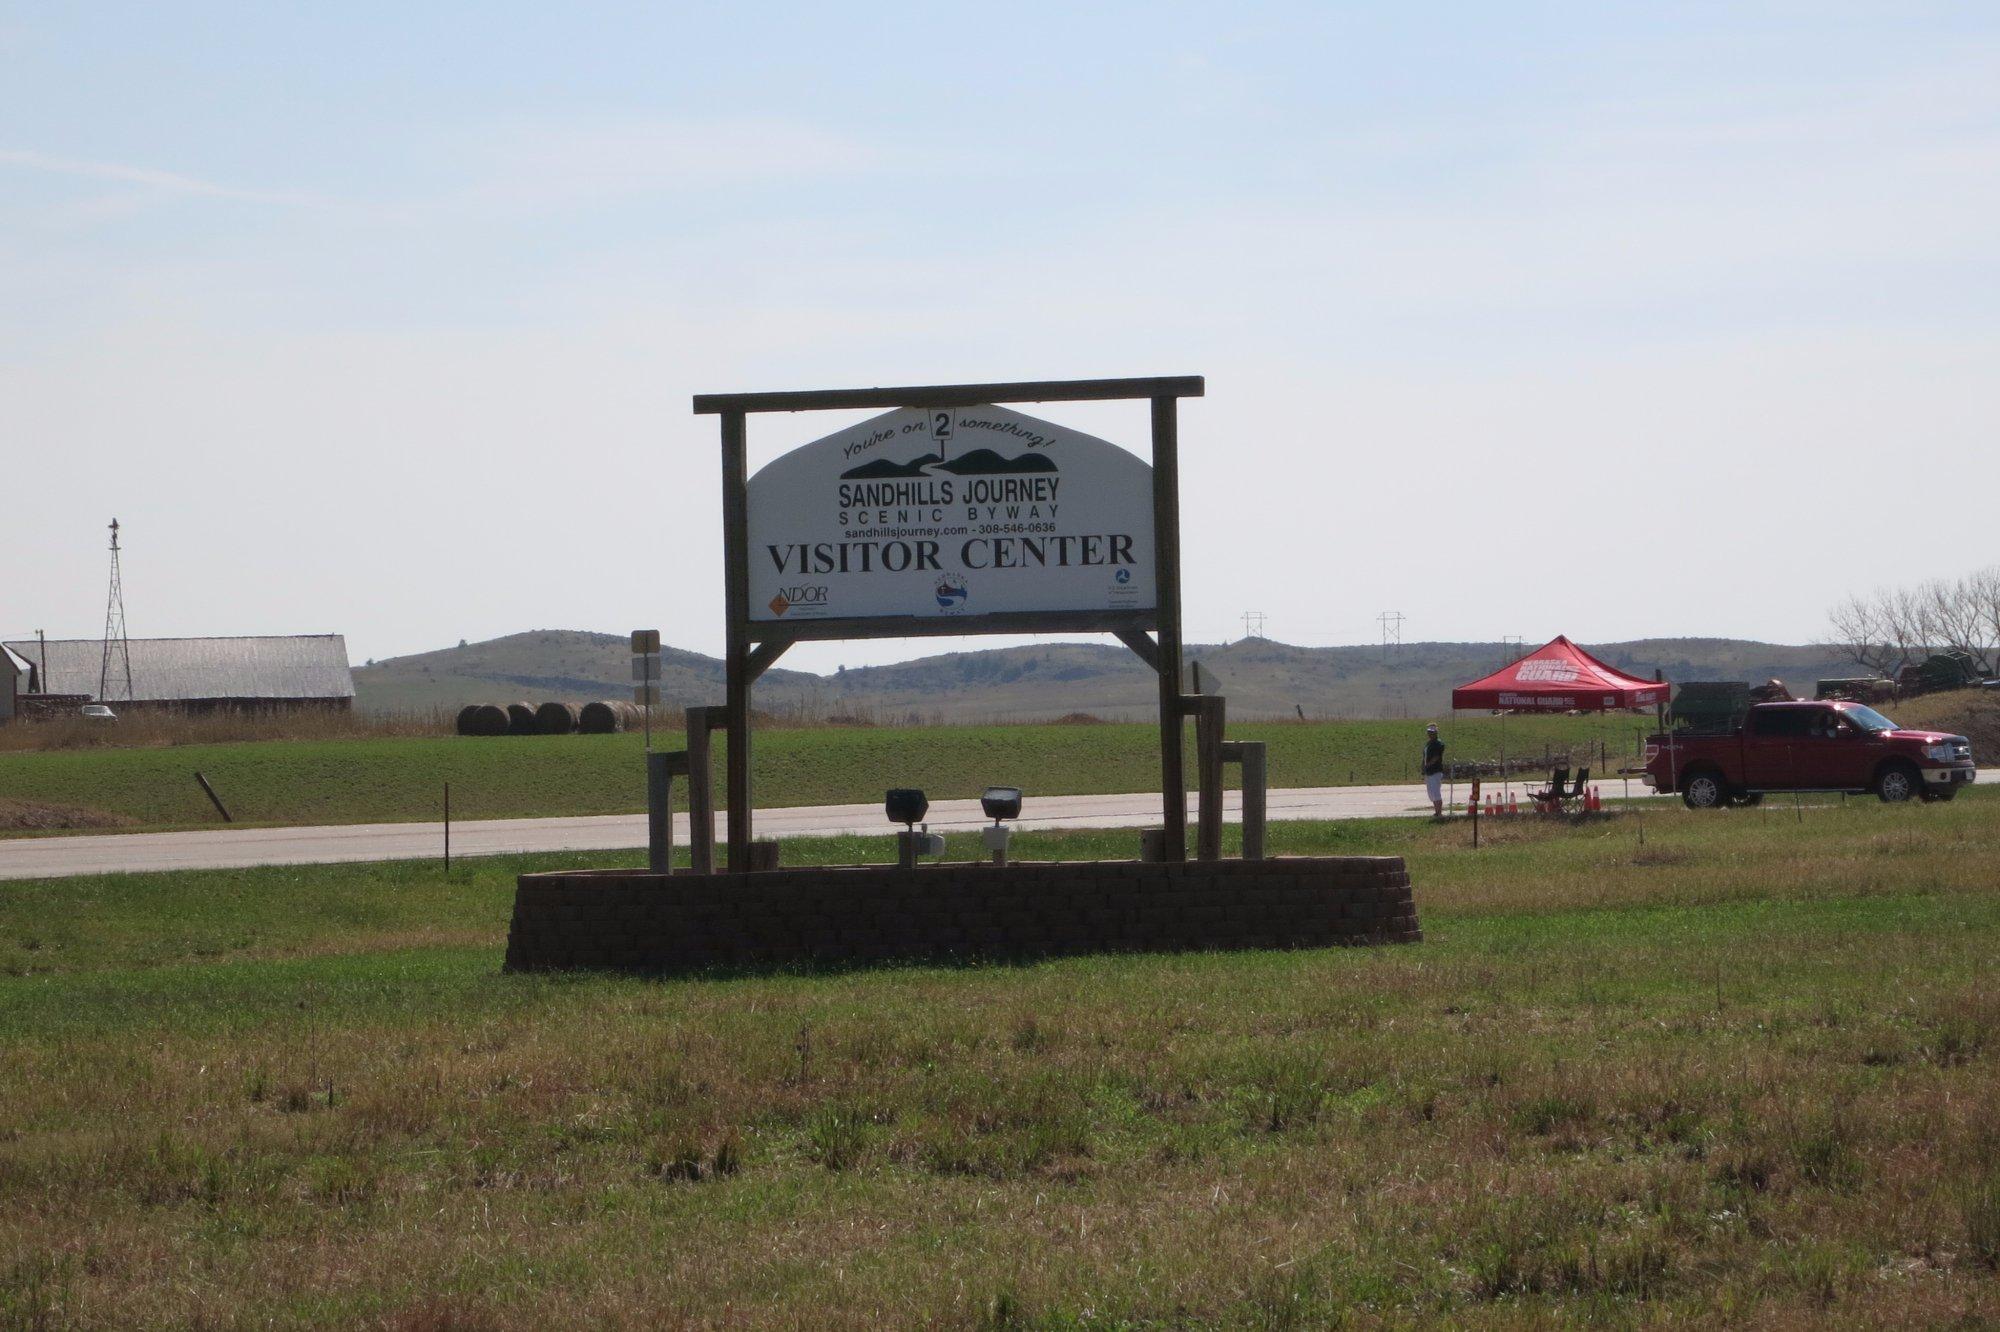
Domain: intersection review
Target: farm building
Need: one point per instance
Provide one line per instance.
(17, 677)
(301, 671)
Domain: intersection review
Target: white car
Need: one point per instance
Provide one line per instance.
(97, 712)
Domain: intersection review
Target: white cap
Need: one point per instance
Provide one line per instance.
(1432, 727)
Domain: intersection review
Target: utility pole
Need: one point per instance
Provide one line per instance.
(116, 644)
(1392, 631)
(1253, 624)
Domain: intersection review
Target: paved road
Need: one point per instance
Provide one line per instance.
(231, 848)
(234, 848)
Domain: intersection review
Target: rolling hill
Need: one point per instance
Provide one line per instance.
(1261, 677)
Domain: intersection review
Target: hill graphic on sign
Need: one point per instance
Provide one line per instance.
(985, 462)
(976, 462)
(883, 467)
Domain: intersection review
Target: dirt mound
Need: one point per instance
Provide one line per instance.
(1079, 719)
(1972, 713)
(34, 816)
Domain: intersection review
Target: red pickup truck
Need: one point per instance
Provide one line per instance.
(1822, 746)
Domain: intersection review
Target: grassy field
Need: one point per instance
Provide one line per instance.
(1742, 1074)
(402, 778)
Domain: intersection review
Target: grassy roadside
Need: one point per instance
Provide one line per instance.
(1743, 1074)
(402, 779)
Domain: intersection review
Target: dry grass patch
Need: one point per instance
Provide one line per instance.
(1718, 1090)
(39, 816)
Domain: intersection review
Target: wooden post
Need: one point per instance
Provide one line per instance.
(736, 597)
(1167, 583)
(701, 791)
(660, 811)
(1208, 728)
(1249, 757)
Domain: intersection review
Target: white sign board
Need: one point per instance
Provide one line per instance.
(950, 512)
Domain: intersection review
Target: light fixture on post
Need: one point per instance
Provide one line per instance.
(999, 802)
(905, 805)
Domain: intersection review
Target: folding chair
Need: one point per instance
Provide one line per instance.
(1575, 793)
(1550, 800)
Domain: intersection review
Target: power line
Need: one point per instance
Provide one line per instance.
(1392, 631)
(1253, 624)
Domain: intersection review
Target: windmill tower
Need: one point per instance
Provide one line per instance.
(117, 649)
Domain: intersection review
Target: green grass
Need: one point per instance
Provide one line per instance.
(1742, 1074)
(402, 779)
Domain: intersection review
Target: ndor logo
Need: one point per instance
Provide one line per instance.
(789, 597)
(951, 593)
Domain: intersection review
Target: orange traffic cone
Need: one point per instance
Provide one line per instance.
(1489, 804)
(1513, 804)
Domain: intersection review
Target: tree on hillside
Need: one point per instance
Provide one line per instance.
(1892, 627)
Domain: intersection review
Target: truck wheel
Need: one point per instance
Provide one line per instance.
(1704, 790)
(1745, 799)
(1897, 783)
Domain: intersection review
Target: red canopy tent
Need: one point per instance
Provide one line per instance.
(1559, 676)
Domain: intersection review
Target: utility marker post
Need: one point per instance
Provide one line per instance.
(646, 675)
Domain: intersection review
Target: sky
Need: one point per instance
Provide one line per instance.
(1610, 320)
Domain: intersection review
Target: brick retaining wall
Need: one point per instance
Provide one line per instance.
(635, 921)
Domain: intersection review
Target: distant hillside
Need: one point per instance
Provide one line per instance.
(1261, 677)
(566, 664)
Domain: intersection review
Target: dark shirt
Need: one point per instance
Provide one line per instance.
(1433, 756)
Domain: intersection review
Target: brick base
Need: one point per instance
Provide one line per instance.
(635, 921)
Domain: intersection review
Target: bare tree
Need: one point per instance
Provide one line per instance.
(1861, 635)
(1893, 627)
(1985, 593)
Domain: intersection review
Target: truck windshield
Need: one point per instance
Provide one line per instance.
(1867, 718)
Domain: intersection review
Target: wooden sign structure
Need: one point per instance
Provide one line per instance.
(758, 636)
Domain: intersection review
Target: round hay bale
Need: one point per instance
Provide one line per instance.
(489, 719)
(468, 717)
(520, 719)
(598, 719)
(555, 719)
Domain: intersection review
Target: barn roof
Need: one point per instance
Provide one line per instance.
(15, 660)
(305, 666)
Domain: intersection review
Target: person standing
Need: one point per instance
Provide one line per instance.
(1434, 769)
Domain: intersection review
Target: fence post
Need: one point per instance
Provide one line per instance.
(214, 799)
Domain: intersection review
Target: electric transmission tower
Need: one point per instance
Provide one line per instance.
(1392, 631)
(1253, 624)
(1512, 647)
(116, 645)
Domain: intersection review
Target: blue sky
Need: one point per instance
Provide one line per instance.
(384, 320)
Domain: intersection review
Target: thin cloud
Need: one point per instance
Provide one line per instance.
(566, 164)
(172, 182)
